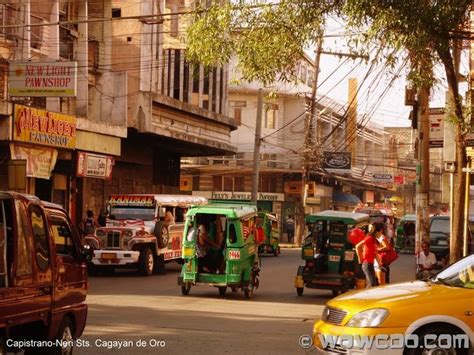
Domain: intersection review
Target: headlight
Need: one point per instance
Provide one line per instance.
(367, 319)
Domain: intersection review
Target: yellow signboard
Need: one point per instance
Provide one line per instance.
(186, 183)
(43, 127)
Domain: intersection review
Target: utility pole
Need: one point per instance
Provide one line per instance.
(256, 150)
(310, 129)
(422, 168)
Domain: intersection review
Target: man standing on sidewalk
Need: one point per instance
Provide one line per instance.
(290, 228)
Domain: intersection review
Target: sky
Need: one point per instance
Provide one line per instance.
(376, 92)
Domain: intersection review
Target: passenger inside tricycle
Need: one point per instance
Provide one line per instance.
(210, 244)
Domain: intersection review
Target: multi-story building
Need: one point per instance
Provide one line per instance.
(134, 108)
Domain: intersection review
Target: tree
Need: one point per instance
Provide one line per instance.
(267, 39)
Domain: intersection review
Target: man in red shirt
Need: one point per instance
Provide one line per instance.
(367, 253)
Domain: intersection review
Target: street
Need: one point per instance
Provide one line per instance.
(130, 313)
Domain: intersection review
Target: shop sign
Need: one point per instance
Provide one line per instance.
(43, 79)
(94, 166)
(131, 201)
(186, 183)
(244, 196)
(337, 161)
(382, 178)
(399, 179)
(293, 187)
(40, 162)
(34, 125)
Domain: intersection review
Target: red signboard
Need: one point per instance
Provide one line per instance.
(399, 179)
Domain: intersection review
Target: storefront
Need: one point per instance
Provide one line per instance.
(38, 157)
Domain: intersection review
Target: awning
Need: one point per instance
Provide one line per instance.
(344, 197)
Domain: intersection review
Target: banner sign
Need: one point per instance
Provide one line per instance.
(131, 201)
(34, 125)
(40, 162)
(337, 160)
(383, 178)
(239, 195)
(94, 166)
(43, 79)
(436, 127)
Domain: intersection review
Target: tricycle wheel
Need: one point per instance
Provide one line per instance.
(185, 288)
(299, 291)
(222, 290)
(234, 288)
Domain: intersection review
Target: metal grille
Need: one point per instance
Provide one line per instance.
(113, 239)
(333, 315)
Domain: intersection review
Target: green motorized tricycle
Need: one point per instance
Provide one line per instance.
(271, 233)
(330, 261)
(219, 248)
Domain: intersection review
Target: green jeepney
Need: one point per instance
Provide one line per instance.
(330, 261)
(234, 263)
(271, 233)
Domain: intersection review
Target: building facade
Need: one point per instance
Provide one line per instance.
(136, 106)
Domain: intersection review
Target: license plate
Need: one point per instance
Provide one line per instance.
(108, 256)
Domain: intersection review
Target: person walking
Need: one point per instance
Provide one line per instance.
(367, 253)
(89, 224)
(290, 229)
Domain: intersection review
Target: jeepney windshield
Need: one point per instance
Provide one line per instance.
(121, 213)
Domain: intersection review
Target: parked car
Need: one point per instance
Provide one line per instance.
(43, 274)
(440, 234)
(404, 316)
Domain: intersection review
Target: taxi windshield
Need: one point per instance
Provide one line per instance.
(460, 274)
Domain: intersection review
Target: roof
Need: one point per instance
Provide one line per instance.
(346, 217)
(30, 198)
(373, 212)
(230, 210)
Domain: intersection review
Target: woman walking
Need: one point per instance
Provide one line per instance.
(367, 253)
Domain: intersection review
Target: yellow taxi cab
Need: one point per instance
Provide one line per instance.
(432, 317)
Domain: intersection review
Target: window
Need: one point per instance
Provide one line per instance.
(63, 237)
(93, 53)
(236, 110)
(23, 248)
(239, 183)
(116, 12)
(232, 234)
(267, 184)
(6, 243)
(303, 73)
(36, 32)
(270, 116)
(40, 237)
(228, 183)
(217, 183)
(310, 77)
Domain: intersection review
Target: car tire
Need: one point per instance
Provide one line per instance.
(146, 262)
(161, 234)
(299, 291)
(437, 330)
(91, 270)
(66, 335)
(222, 290)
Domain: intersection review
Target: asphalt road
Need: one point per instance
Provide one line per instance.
(129, 313)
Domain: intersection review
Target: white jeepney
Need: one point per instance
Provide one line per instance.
(137, 234)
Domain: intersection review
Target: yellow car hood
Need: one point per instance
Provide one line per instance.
(405, 301)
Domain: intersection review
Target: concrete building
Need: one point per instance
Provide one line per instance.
(136, 107)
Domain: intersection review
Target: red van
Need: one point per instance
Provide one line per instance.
(43, 276)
